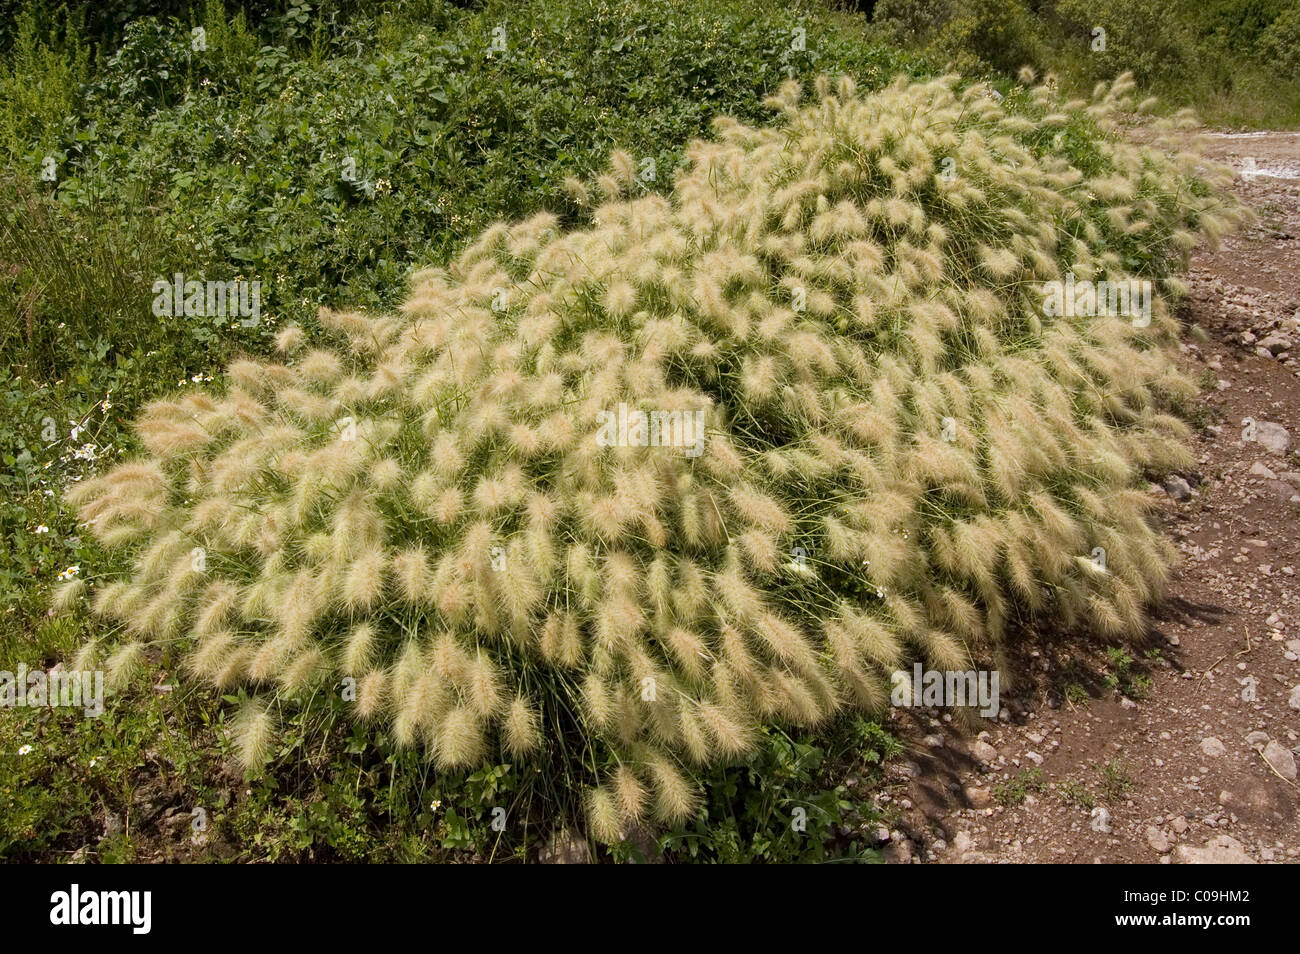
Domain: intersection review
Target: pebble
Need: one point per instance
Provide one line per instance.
(1158, 841)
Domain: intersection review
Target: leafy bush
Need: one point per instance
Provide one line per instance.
(900, 450)
(1280, 42)
(1144, 36)
(997, 33)
(975, 35)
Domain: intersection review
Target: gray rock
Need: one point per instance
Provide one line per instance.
(962, 843)
(1294, 700)
(898, 851)
(1257, 738)
(1219, 850)
(1178, 488)
(1157, 840)
(978, 797)
(1213, 747)
(565, 848)
(987, 754)
(1259, 470)
(1275, 344)
(1273, 437)
(1280, 489)
(1280, 757)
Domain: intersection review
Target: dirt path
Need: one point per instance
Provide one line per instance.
(1193, 757)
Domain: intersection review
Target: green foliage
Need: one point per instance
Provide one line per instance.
(1116, 780)
(1014, 791)
(1140, 36)
(1001, 34)
(41, 82)
(432, 507)
(1122, 677)
(1279, 43)
(1234, 60)
(226, 161)
(1075, 793)
(789, 803)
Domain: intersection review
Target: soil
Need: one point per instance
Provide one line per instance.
(1187, 754)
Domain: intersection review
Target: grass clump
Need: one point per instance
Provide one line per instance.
(900, 450)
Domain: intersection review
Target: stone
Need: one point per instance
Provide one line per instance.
(1273, 437)
(1280, 757)
(565, 848)
(1275, 344)
(1178, 488)
(987, 754)
(898, 851)
(1219, 850)
(977, 797)
(1213, 747)
(962, 843)
(1158, 841)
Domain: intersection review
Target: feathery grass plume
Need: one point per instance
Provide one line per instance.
(459, 739)
(522, 731)
(123, 664)
(881, 381)
(603, 815)
(371, 693)
(630, 795)
(252, 731)
(363, 582)
(68, 594)
(674, 799)
(413, 574)
(359, 649)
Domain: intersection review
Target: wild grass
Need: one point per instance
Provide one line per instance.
(418, 510)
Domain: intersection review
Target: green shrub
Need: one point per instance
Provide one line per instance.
(40, 85)
(1146, 37)
(1280, 43)
(997, 33)
(913, 21)
(437, 514)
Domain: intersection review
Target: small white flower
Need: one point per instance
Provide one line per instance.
(24, 749)
(70, 572)
(42, 529)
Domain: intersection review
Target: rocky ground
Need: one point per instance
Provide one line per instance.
(1185, 752)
